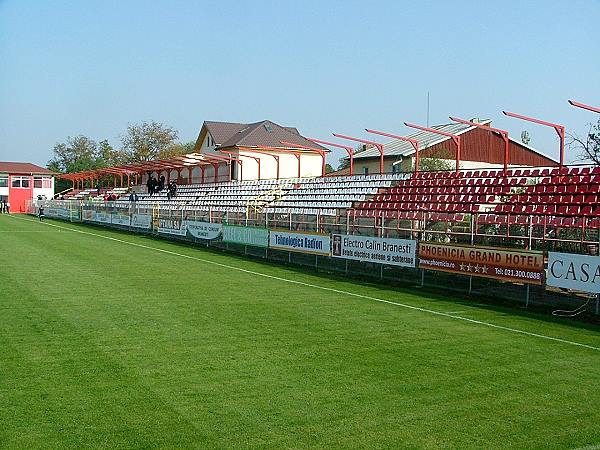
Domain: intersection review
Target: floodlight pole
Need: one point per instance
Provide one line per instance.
(364, 141)
(581, 105)
(413, 142)
(560, 130)
(502, 133)
(454, 137)
(349, 150)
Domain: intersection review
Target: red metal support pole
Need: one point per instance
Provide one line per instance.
(581, 105)
(349, 150)
(319, 151)
(502, 133)
(297, 155)
(376, 144)
(454, 137)
(560, 130)
(216, 169)
(413, 142)
(255, 158)
(239, 161)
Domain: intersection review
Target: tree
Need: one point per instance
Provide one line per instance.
(588, 147)
(178, 149)
(328, 168)
(148, 140)
(75, 155)
(438, 161)
(344, 163)
(108, 156)
(525, 139)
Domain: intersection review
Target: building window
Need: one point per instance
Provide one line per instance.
(42, 182)
(3, 180)
(20, 182)
(365, 170)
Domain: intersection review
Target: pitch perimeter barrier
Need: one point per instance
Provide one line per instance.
(542, 278)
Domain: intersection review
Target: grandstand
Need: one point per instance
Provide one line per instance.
(558, 197)
(542, 198)
(516, 199)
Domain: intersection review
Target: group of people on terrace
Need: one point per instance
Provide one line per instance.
(158, 185)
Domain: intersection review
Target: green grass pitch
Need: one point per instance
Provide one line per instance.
(104, 344)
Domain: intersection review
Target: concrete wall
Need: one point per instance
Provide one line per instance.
(310, 165)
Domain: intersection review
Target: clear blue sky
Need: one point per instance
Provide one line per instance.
(91, 67)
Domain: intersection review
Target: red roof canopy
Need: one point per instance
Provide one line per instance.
(23, 168)
(174, 163)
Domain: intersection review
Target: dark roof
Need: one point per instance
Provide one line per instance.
(221, 131)
(259, 134)
(18, 167)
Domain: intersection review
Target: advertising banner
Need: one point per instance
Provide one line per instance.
(571, 271)
(57, 211)
(141, 221)
(102, 217)
(502, 264)
(172, 226)
(51, 212)
(256, 236)
(89, 215)
(316, 243)
(76, 214)
(120, 219)
(398, 252)
(203, 230)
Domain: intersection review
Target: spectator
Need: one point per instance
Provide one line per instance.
(150, 184)
(161, 183)
(41, 213)
(7, 207)
(98, 188)
(171, 190)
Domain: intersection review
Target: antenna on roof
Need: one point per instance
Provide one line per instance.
(427, 108)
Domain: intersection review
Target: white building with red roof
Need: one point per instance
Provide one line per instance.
(22, 182)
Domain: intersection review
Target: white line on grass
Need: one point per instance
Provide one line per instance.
(337, 291)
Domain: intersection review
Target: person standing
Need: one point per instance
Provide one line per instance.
(7, 207)
(41, 214)
(150, 184)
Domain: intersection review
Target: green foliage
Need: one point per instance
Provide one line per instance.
(344, 163)
(441, 160)
(178, 149)
(179, 352)
(328, 168)
(147, 141)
